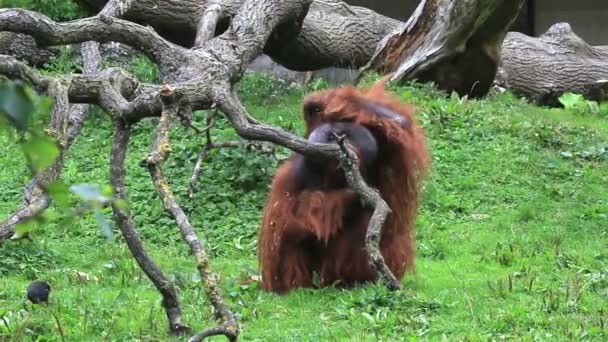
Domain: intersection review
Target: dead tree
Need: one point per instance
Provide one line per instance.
(202, 49)
(558, 61)
(455, 44)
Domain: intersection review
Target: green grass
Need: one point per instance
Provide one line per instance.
(512, 234)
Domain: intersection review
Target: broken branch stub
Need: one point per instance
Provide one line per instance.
(455, 44)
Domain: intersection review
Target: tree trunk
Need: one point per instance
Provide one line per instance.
(455, 44)
(556, 62)
(333, 34)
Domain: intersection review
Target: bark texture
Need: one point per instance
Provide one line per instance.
(456, 44)
(126, 224)
(332, 33)
(25, 48)
(556, 62)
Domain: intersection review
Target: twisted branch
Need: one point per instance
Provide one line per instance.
(350, 164)
(124, 221)
(101, 28)
(159, 154)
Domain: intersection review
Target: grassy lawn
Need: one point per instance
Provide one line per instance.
(512, 234)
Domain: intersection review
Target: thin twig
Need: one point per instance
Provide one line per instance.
(59, 327)
(202, 157)
(105, 338)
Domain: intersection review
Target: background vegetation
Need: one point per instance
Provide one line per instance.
(512, 232)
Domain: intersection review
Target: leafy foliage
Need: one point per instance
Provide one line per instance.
(578, 103)
(18, 106)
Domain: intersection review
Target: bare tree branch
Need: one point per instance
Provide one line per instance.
(64, 126)
(350, 164)
(332, 33)
(24, 48)
(223, 329)
(237, 115)
(210, 145)
(100, 28)
(194, 79)
(14, 69)
(160, 152)
(116, 8)
(125, 222)
(207, 24)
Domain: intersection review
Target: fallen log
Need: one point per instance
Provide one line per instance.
(558, 61)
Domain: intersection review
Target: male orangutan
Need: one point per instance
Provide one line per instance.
(314, 223)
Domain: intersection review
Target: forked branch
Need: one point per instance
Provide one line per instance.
(211, 145)
(124, 221)
(196, 79)
(159, 154)
(65, 125)
(99, 28)
(350, 164)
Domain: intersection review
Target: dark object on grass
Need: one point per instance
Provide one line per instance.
(38, 292)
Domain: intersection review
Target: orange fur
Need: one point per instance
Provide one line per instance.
(324, 231)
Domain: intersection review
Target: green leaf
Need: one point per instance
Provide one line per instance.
(26, 227)
(15, 104)
(89, 192)
(41, 152)
(196, 277)
(107, 191)
(59, 192)
(121, 204)
(570, 100)
(105, 225)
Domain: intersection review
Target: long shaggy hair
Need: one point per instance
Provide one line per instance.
(308, 231)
